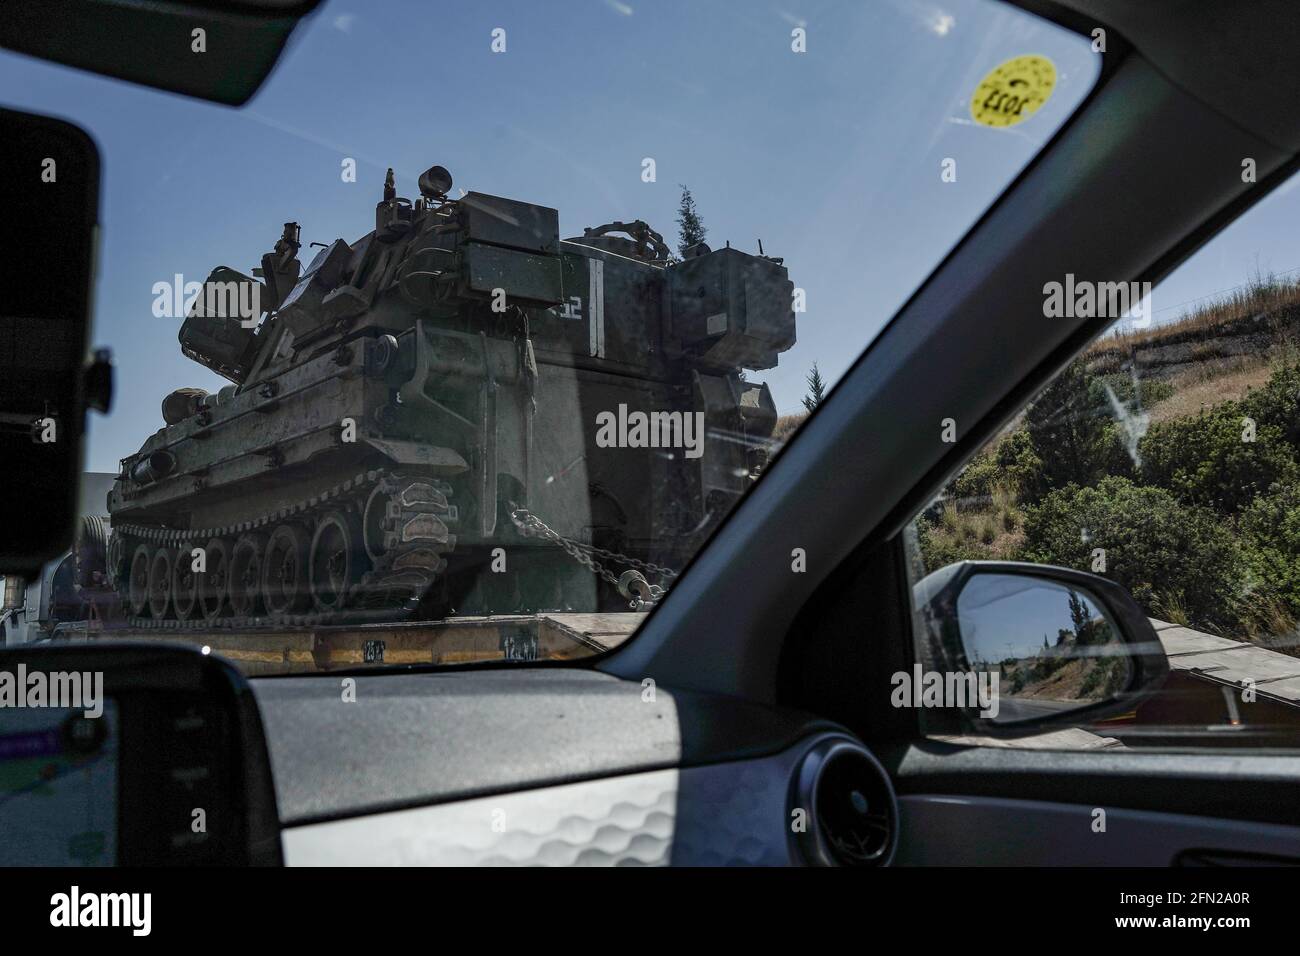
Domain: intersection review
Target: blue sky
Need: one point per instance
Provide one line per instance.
(1006, 616)
(831, 157)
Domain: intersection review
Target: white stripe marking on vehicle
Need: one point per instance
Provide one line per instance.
(596, 306)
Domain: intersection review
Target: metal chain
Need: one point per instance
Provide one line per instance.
(657, 570)
(585, 554)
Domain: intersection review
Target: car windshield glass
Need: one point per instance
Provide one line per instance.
(472, 326)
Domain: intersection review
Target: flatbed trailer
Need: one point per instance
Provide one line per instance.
(456, 640)
(1204, 693)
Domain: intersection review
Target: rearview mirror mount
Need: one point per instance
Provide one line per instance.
(49, 190)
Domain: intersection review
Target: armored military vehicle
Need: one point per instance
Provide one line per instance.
(457, 413)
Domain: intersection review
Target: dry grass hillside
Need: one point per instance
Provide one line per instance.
(786, 425)
(1214, 353)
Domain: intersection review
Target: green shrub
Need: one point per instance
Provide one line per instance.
(1204, 459)
(1069, 435)
(1019, 466)
(1205, 531)
(976, 480)
(1154, 546)
(1277, 404)
(1073, 433)
(936, 549)
(939, 548)
(1270, 531)
(1068, 429)
(1151, 390)
(1116, 458)
(1106, 676)
(1011, 464)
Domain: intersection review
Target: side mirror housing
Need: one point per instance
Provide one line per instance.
(1046, 647)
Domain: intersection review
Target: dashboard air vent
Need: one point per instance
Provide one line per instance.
(852, 813)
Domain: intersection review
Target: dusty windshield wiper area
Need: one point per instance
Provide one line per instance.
(490, 410)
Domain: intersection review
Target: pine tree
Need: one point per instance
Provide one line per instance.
(816, 389)
(690, 227)
(1068, 430)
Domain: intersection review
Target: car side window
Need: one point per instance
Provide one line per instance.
(1166, 458)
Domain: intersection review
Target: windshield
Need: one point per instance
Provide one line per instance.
(461, 338)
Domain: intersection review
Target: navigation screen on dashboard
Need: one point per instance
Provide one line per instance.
(58, 786)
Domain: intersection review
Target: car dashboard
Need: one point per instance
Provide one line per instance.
(550, 766)
(181, 759)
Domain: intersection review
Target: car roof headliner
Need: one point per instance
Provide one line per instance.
(1235, 56)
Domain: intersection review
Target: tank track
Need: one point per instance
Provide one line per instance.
(399, 526)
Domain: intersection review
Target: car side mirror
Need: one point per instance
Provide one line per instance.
(1043, 646)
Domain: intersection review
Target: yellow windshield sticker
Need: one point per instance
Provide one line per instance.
(1013, 92)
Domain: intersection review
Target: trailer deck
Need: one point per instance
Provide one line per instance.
(458, 640)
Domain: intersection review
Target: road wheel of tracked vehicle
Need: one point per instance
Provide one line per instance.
(336, 560)
(246, 575)
(185, 584)
(284, 571)
(160, 582)
(137, 592)
(216, 578)
(117, 563)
